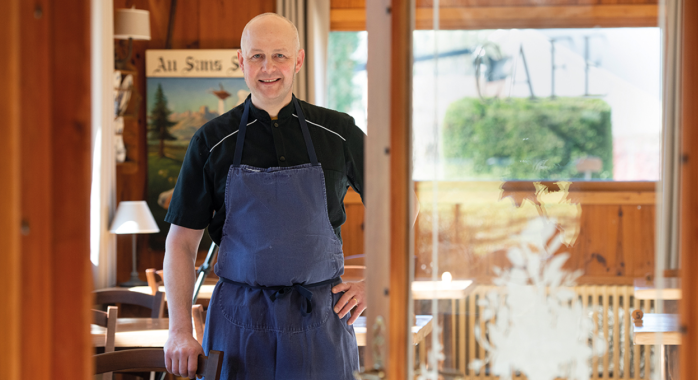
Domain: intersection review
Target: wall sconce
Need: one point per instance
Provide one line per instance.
(130, 24)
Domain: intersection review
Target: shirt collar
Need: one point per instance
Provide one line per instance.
(262, 115)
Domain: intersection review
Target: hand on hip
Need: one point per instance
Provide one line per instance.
(354, 297)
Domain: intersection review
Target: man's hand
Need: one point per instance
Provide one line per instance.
(354, 297)
(181, 354)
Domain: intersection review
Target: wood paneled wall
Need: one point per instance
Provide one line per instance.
(198, 24)
(46, 173)
(615, 245)
(610, 228)
(350, 15)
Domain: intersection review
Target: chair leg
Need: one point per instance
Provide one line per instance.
(423, 353)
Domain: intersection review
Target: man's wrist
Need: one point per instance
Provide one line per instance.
(184, 330)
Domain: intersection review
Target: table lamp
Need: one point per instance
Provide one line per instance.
(130, 24)
(133, 217)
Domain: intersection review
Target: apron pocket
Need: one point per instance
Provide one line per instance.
(253, 309)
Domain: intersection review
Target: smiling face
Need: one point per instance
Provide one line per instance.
(269, 58)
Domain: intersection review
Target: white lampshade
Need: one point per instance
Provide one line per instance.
(132, 23)
(133, 217)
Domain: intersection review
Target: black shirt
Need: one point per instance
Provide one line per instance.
(200, 188)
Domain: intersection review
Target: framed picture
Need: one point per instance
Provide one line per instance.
(184, 89)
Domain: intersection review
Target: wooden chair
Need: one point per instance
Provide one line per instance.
(156, 302)
(153, 359)
(354, 272)
(197, 314)
(153, 282)
(354, 268)
(108, 320)
(154, 277)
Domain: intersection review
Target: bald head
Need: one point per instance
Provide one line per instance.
(266, 22)
(270, 56)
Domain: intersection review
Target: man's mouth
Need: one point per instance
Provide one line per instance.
(269, 80)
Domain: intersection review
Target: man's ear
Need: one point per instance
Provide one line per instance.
(240, 60)
(299, 60)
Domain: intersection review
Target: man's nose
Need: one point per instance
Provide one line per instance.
(267, 65)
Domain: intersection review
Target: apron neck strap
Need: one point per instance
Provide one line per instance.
(242, 129)
(237, 159)
(306, 134)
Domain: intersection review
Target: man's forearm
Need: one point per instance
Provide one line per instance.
(179, 276)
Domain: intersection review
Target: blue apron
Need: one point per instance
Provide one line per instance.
(272, 311)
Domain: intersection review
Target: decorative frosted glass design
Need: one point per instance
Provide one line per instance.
(535, 323)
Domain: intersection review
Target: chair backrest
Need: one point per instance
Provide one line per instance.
(153, 302)
(197, 316)
(153, 282)
(107, 319)
(155, 278)
(153, 359)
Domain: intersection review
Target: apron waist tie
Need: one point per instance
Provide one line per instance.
(302, 289)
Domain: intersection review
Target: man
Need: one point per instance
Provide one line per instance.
(275, 171)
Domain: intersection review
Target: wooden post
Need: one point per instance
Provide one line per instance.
(399, 335)
(688, 308)
(377, 159)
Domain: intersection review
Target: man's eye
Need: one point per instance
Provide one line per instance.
(279, 56)
(256, 56)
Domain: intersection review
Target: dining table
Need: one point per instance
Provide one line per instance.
(421, 290)
(667, 289)
(662, 330)
(153, 332)
(455, 292)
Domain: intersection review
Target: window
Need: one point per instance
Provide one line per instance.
(534, 104)
(347, 92)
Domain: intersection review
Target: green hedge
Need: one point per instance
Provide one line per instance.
(526, 139)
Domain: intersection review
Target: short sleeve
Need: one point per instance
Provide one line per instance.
(192, 200)
(354, 154)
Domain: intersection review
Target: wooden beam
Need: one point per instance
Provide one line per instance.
(507, 17)
(348, 4)
(347, 20)
(10, 191)
(688, 307)
(400, 187)
(576, 16)
(377, 165)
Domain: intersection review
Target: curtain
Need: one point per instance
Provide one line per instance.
(312, 18)
(103, 197)
(669, 184)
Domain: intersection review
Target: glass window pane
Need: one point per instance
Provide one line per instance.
(346, 73)
(535, 156)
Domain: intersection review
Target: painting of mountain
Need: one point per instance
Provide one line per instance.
(176, 109)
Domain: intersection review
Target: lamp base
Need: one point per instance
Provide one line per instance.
(133, 281)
